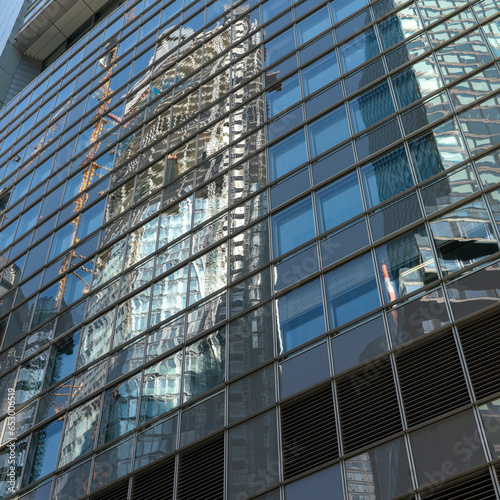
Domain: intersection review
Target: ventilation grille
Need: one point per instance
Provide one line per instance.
(308, 431)
(472, 487)
(155, 484)
(117, 492)
(368, 406)
(481, 345)
(431, 379)
(201, 472)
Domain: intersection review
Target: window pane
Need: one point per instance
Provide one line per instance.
(251, 393)
(156, 442)
(351, 290)
(293, 226)
(371, 107)
(389, 471)
(80, 431)
(43, 451)
(394, 166)
(328, 131)
(338, 202)
(304, 370)
(283, 95)
(359, 50)
(464, 236)
(321, 72)
(490, 414)
(202, 419)
(252, 446)
(438, 150)
(416, 81)
(204, 364)
(287, 154)
(406, 264)
(120, 409)
(96, 339)
(444, 443)
(279, 46)
(300, 316)
(326, 484)
(112, 464)
(161, 387)
(313, 25)
(359, 344)
(251, 340)
(208, 273)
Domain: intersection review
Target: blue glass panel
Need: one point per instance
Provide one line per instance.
(283, 95)
(273, 8)
(321, 72)
(293, 226)
(289, 188)
(300, 316)
(285, 123)
(386, 176)
(333, 163)
(279, 46)
(313, 25)
(328, 131)
(43, 452)
(331, 95)
(315, 48)
(354, 24)
(296, 267)
(371, 107)
(287, 154)
(351, 290)
(338, 202)
(359, 50)
(344, 8)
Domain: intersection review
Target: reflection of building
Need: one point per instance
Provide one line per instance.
(249, 250)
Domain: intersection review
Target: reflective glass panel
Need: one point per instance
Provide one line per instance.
(338, 202)
(464, 236)
(161, 387)
(351, 290)
(204, 364)
(293, 226)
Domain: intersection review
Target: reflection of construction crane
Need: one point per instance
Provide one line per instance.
(390, 289)
(102, 95)
(58, 408)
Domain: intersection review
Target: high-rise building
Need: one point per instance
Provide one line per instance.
(250, 250)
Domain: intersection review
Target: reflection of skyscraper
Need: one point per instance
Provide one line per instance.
(249, 251)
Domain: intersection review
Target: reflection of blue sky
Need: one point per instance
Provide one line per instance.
(7, 22)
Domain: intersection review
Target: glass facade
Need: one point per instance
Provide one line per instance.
(234, 235)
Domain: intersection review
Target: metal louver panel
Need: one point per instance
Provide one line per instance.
(308, 431)
(481, 345)
(368, 406)
(155, 484)
(473, 487)
(117, 492)
(431, 379)
(201, 472)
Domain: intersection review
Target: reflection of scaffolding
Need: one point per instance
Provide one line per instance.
(88, 174)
